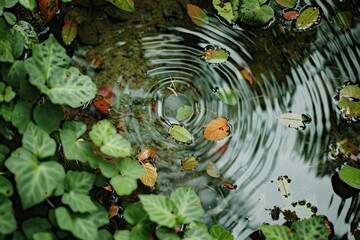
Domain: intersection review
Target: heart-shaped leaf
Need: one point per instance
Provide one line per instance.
(48, 116)
(184, 112)
(78, 202)
(7, 219)
(75, 149)
(78, 127)
(81, 182)
(100, 131)
(35, 181)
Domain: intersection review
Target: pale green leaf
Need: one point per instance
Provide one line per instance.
(44, 236)
(350, 175)
(7, 219)
(188, 204)
(48, 116)
(21, 116)
(194, 232)
(184, 112)
(122, 235)
(219, 233)
(78, 202)
(161, 209)
(69, 86)
(311, 228)
(10, 3)
(105, 235)
(35, 181)
(127, 5)
(227, 95)
(276, 232)
(28, 4)
(108, 169)
(228, 10)
(81, 182)
(10, 18)
(101, 130)
(116, 146)
(6, 187)
(78, 127)
(123, 185)
(180, 134)
(131, 168)
(38, 142)
(75, 149)
(294, 120)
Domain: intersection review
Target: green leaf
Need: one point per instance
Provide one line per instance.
(350, 175)
(10, 3)
(127, 5)
(10, 18)
(286, 3)
(184, 112)
(161, 209)
(48, 58)
(131, 168)
(81, 182)
(75, 149)
(78, 127)
(35, 181)
(276, 232)
(105, 235)
(219, 233)
(21, 116)
(135, 214)
(349, 102)
(255, 13)
(188, 204)
(7, 219)
(6, 187)
(38, 142)
(123, 185)
(108, 169)
(227, 95)
(34, 225)
(44, 236)
(311, 228)
(122, 235)
(13, 73)
(166, 234)
(69, 32)
(197, 15)
(100, 131)
(227, 10)
(48, 116)
(308, 17)
(180, 134)
(78, 202)
(28, 4)
(214, 55)
(69, 86)
(116, 146)
(194, 232)
(18, 235)
(83, 226)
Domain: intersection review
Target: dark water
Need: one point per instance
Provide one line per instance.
(291, 71)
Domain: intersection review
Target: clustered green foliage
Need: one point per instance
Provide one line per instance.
(35, 139)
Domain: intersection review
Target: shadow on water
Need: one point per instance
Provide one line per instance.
(296, 72)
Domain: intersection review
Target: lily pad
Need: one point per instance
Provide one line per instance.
(180, 134)
(308, 17)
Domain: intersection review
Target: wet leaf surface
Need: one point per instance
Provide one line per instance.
(197, 15)
(350, 175)
(308, 17)
(217, 129)
(189, 163)
(180, 134)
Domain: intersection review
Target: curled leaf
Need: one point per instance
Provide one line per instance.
(150, 175)
(197, 15)
(189, 163)
(212, 170)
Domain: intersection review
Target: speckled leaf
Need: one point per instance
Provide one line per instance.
(27, 32)
(7, 219)
(350, 175)
(35, 181)
(184, 112)
(127, 5)
(161, 209)
(180, 134)
(276, 232)
(101, 130)
(69, 86)
(308, 17)
(188, 204)
(6, 187)
(311, 228)
(150, 175)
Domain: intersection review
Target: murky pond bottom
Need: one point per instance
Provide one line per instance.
(153, 62)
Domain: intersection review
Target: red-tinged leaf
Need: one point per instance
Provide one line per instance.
(146, 152)
(291, 15)
(197, 15)
(102, 105)
(48, 8)
(245, 73)
(105, 92)
(69, 32)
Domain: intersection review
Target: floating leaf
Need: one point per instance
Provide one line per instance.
(217, 129)
(7, 220)
(35, 181)
(255, 12)
(284, 186)
(180, 133)
(189, 163)
(197, 15)
(101, 130)
(69, 32)
(184, 112)
(286, 3)
(349, 101)
(295, 120)
(291, 14)
(308, 17)
(48, 8)
(212, 171)
(227, 95)
(350, 175)
(146, 152)
(245, 73)
(219, 233)
(188, 204)
(214, 55)
(150, 175)
(227, 9)
(161, 209)
(127, 5)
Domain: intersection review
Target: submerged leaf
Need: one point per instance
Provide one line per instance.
(150, 175)
(197, 15)
(309, 16)
(189, 163)
(217, 129)
(227, 95)
(295, 120)
(212, 171)
(184, 112)
(180, 134)
(349, 101)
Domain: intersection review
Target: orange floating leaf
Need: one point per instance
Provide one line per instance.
(197, 15)
(291, 14)
(150, 175)
(102, 105)
(189, 163)
(245, 73)
(48, 8)
(146, 152)
(217, 129)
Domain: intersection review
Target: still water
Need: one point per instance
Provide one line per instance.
(291, 71)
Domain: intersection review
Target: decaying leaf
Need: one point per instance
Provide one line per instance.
(291, 14)
(150, 175)
(48, 8)
(180, 134)
(295, 120)
(197, 15)
(217, 129)
(189, 163)
(245, 73)
(113, 211)
(212, 170)
(146, 152)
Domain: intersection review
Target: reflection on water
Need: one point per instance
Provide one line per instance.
(291, 72)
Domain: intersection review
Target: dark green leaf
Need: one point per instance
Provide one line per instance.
(311, 228)
(27, 32)
(166, 234)
(21, 116)
(7, 219)
(35, 225)
(81, 182)
(228, 10)
(286, 3)
(10, 18)
(6, 187)
(219, 233)
(75, 149)
(135, 214)
(6, 111)
(48, 116)
(108, 169)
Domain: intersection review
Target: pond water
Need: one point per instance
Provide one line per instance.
(153, 62)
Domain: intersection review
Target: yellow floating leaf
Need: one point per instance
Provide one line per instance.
(212, 171)
(150, 175)
(197, 15)
(217, 129)
(189, 163)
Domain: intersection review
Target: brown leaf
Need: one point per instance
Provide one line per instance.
(197, 15)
